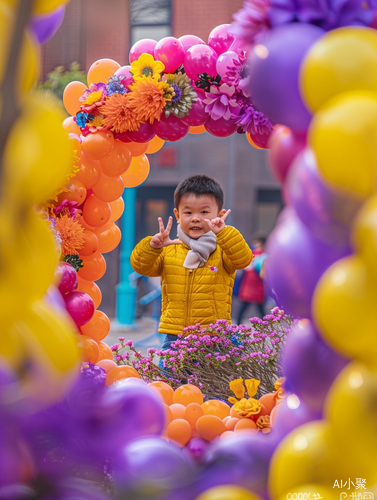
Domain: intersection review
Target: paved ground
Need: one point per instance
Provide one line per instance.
(142, 333)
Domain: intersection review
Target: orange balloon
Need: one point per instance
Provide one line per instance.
(250, 140)
(98, 145)
(106, 364)
(137, 173)
(268, 401)
(98, 327)
(91, 243)
(177, 410)
(227, 435)
(117, 209)
(72, 93)
(82, 223)
(70, 126)
(109, 236)
(90, 171)
(209, 427)
(121, 372)
(168, 414)
(193, 411)
(163, 390)
(231, 423)
(275, 413)
(154, 145)
(117, 161)
(104, 352)
(75, 141)
(137, 148)
(179, 431)
(102, 70)
(245, 423)
(197, 130)
(108, 188)
(88, 348)
(234, 413)
(188, 393)
(76, 192)
(94, 267)
(95, 211)
(216, 407)
(91, 289)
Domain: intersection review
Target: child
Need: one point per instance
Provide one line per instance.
(197, 271)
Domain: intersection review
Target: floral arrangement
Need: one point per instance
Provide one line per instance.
(211, 358)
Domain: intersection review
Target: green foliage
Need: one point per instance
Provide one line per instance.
(59, 78)
(75, 261)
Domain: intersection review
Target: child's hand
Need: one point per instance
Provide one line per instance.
(162, 239)
(218, 223)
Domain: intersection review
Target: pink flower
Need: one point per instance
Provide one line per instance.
(219, 102)
(67, 208)
(251, 20)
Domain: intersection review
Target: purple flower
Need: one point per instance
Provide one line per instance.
(252, 121)
(219, 102)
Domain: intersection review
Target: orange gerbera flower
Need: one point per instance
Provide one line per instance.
(71, 234)
(119, 117)
(148, 98)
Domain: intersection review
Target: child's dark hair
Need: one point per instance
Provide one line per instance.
(199, 185)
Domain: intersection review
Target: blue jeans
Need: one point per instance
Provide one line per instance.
(169, 339)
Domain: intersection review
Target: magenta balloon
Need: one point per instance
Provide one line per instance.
(200, 59)
(170, 52)
(197, 115)
(145, 46)
(67, 277)
(170, 129)
(220, 39)
(144, 134)
(220, 127)
(80, 307)
(285, 144)
(197, 447)
(188, 41)
(274, 66)
(260, 140)
(46, 25)
(224, 61)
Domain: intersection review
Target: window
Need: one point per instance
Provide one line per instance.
(150, 19)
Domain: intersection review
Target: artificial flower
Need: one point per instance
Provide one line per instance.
(183, 95)
(280, 391)
(71, 233)
(66, 207)
(252, 121)
(247, 407)
(237, 387)
(116, 85)
(119, 116)
(264, 423)
(93, 97)
(148, 98)
(146, 66)
(251, 20)
(95, 92)
(219, 102)
(237, 74)
(252, 385)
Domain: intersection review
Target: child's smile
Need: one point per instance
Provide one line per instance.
(193, 210)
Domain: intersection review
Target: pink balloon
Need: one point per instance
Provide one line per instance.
(170, 129)
(67, 277)
(220, 127)
(220, 39)
(239, 43)
(197, 115)
(145, 46)
(144, 134)
(200, 59)
(284, 146)
(125, 71)
(261, 140)
(170, 52)
(188, 41)
(225, 61)
(80, 307)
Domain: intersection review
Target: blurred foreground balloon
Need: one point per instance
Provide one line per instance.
(45, 26)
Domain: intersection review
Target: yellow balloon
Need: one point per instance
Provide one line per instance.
(38, 155)
(344, 308)
(46, 6)
(227, 492)
(365, 232)
(342, 60)
(343, 136)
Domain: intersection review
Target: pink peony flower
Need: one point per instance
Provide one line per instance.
(251, 20)
(220, 101)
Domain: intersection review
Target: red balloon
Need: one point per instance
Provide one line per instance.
(144, 134)
(197, 114)
(284, 146)
(170, 129)
(220, 127)
(80, 307)
(67, 277)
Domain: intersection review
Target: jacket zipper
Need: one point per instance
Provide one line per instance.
(188, 296)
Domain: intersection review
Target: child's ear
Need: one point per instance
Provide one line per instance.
(176, 215)
(222, 212)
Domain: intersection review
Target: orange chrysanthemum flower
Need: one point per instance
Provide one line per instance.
(148, 98)
(119, 117)
(71, 234)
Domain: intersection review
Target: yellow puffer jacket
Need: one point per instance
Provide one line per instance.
(191, 296)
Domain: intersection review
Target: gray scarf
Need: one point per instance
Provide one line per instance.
(200, 248)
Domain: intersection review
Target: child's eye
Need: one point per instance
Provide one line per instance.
(187, 213)
(204, 212)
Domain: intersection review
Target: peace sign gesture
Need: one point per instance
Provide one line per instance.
(218, 223)
(162, 239)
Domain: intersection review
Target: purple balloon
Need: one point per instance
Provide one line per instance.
(197, 447)
(80, 307)
(45, 26)
(67, 277)
(171, 128)
(296, 261)
(292, 414)
(220, 127)
(200, 59)
(144, 134)
(55, 298)
(310, 365)
(145, 46)
(327, 213)
(274, 66)
(188, 41)
(220, 39)
(197, 114)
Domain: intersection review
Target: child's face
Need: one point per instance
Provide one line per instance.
(193, 210)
